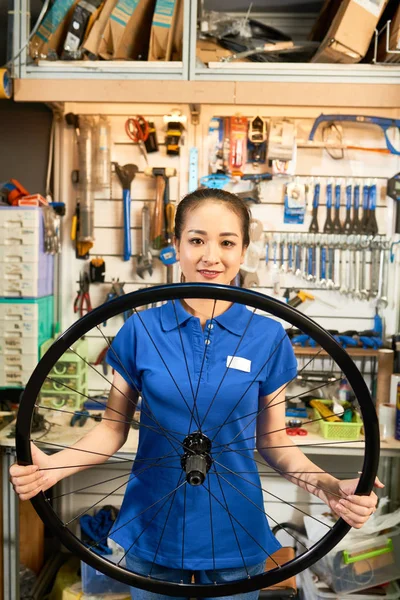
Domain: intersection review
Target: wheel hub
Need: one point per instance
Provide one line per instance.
(196, 460)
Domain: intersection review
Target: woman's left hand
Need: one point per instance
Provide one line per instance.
(355, 510)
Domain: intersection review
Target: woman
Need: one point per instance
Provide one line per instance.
(205, 520)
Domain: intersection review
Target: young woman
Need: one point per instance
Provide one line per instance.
(214, 528)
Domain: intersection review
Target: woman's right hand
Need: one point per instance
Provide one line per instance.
(30, 480)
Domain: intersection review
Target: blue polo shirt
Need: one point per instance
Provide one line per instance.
(182, 520)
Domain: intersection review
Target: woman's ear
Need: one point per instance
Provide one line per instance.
(177, 246)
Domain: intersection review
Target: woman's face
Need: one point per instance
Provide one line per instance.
(211, 245)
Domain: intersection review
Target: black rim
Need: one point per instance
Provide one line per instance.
(215, 292)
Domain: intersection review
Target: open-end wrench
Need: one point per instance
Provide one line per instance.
(364, 277)
(366, 209)
(337, 249)
(328, 226)
(350, 283)
(323, 279)
(282, 261)
(317, 255)
(311, 259)
(145, 259)
(330, 284)
(356, 225)
(303, 273)
(297, 258)
(290, 254)
(374, 270)
(348, 225)
(372, 225)
(314, 221)
(337, 226)
(344, 289)
(382, 300)
(357, 264)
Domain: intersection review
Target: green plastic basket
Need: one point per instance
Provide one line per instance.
(338, 431)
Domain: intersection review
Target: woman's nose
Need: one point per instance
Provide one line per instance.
(210, 255)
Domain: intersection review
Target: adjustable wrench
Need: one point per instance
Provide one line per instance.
(382, 300)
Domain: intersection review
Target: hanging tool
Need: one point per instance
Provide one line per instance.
(126, 174)
(328, 226)
(81, 248)
(257, 137)
(348, 225)
(365, 205)
(215, 180)
(393, 191)
(161, 175)
(80, 417)
(356, 225)
(383, 122)
(372, 226)
(314, 221)
(82, 303)
(116, 290)
(256, 179)
(193, 168)
(144, 261)
(238, 137)
(97, 270)
(137, 129)
(337, 226)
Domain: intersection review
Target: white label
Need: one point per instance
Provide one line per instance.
(372, 6)
(236, 362)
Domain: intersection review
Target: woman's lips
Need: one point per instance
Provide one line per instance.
(210, 274)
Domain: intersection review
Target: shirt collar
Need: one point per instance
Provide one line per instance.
(235, 319)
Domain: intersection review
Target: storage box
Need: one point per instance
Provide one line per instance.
(366, 564)
(310, 590)
(333, 430)
(95, 582)
(345, 29)
(26, 271)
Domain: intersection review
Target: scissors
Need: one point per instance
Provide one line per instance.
(137, 129)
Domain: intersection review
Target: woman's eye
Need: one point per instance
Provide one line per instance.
(228, 243)
(196, 241)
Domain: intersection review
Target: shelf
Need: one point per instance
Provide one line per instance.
(356, 352)
(261, 93)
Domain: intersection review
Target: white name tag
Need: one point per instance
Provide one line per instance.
(239, 363)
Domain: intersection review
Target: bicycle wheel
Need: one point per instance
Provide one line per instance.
(200, 459)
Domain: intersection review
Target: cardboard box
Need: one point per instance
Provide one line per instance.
(167, 15)
(210, 51)
(345, 29)
(393, 14)
(91, 44)
(47, 41)
(127, 32)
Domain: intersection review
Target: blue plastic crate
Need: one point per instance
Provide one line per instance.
(95, 582)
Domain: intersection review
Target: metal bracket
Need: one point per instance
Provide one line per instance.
(388, 49)
(194, 114)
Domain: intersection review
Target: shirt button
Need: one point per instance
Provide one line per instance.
(207, 342)
(210, 325)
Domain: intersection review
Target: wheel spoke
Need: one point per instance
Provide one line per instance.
(164, 363)
(227, 368)
(212, 529)
(108, 495)
(165, 524)
(318, 487)
(248, 387)
(260, 509)
(165, 497)
(183, 532)
(111, 384)
(259, 487)
(187, 371)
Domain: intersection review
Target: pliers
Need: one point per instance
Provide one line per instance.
(82, 302)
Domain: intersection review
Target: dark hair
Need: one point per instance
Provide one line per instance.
(194, 199)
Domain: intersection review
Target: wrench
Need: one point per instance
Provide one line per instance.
(337, 258)
(330, 284)
(282, 245)
(344, 289)
(328, 226)
(382, 300)
(337, 226)
(323, 280)
(317, 255)
(356, 226)
(357, 262)
(297, 258)
(290, 255)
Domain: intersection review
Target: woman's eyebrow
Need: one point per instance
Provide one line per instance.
(201, 232)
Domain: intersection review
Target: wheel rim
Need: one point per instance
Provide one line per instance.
(215, 292)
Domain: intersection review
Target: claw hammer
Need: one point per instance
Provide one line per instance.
(126, 174)
(162, 176)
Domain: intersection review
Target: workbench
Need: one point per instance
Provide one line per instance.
(61, 433)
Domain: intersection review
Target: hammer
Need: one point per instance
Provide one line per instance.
(162, 186)
(126, 174)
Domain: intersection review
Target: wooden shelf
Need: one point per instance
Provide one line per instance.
(280, 93)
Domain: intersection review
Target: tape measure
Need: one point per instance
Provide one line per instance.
(5, 84)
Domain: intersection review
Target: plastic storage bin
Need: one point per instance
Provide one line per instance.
(368, 563)
(310, 590)
(70, 373)
(338, 431)
(95, 582)
(25, 269)
(25, 324)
